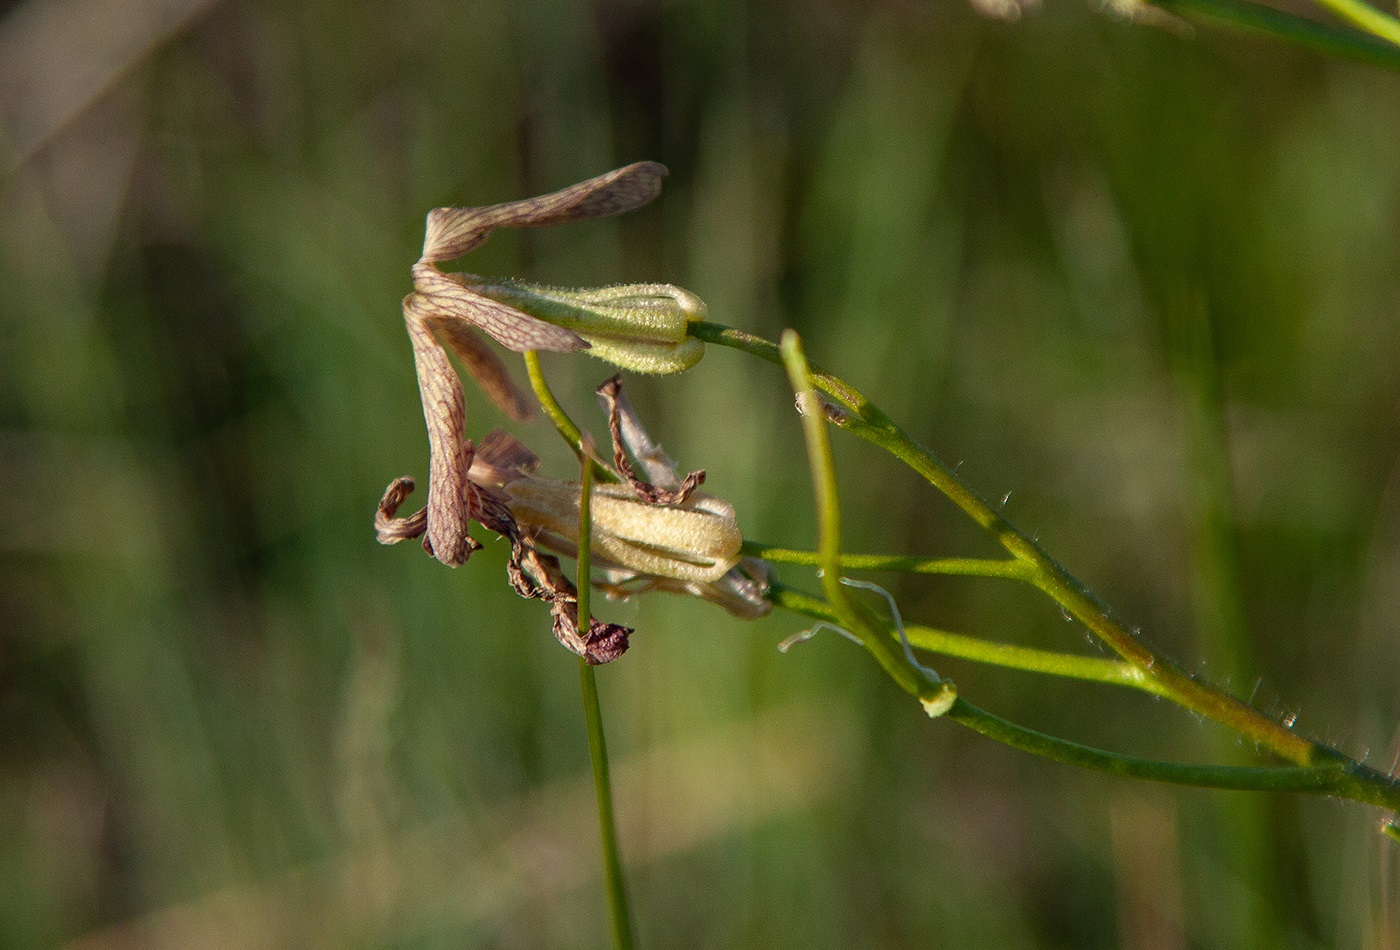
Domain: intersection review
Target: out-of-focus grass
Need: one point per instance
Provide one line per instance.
(214, 686)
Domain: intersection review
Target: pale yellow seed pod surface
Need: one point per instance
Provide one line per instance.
(694, 543)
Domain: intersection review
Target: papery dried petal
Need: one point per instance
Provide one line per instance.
(501, 458)
(451, 496)
(446, 296)
(390, 529)
(488, 369)
(452, 232)
(610, 393)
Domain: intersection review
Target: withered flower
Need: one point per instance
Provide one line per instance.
(648, 535)
(641, 327)
(651, 531)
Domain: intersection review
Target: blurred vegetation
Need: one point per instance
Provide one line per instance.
(1144, 280)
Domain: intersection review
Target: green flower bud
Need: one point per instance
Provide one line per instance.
(639, 327)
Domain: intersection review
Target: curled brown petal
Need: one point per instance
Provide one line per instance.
(534, 574)
(446, 297)
(391, 530)
(451, 496)
(610, 392)
(452, 232)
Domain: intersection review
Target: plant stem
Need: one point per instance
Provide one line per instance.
(933, 694)
(597, 743)
(1342, 779)
(1009, 569)
(865, 419)
(1322, 37)
(562, 423)
(1008, 656)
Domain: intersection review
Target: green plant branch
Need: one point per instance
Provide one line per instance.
(1344, 779)
(1008, 569)
(597, 743)
(961, 646)
(1377, 46)
(933, 694)
(853, 411)
(562, 423)
(1340, 778)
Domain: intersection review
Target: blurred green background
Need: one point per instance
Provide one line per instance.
(1143, 279)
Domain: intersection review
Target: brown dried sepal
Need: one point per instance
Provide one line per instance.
(452, 232)
(610, 392)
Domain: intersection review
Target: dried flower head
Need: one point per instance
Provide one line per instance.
(657, 534)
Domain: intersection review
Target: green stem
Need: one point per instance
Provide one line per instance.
(1321, 37)
(963, 647)
(597, 743)
(933, 694)
(562, 423)
(1344, 779)
(1008, 569)
(1341, 779)
(865, 419)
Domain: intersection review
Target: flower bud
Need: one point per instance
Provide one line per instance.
(639, 327)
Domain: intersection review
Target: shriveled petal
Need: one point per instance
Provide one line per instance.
(452, 232)
(445, 296)
(488, 369)
(451, 496)
(390, 529)
(666, 490)
(501, 458)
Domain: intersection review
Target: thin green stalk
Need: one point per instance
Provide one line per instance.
(1366, 17)
(1341, 779)
(597, 743)
(1321, 37)
(1008, 569)
(856, 413)
(935, 695)
(1008, 656)
(562, 423)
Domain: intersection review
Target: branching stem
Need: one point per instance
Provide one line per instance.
(1336, 774)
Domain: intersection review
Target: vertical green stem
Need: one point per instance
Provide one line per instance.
(597, 744)
(936, 696)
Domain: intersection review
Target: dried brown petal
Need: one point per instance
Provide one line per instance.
(452, 232)
(392, 530)
(603, 643)
(610, 392)
(445, 296)
(488, 369)
(451, 496)
(501, 459)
